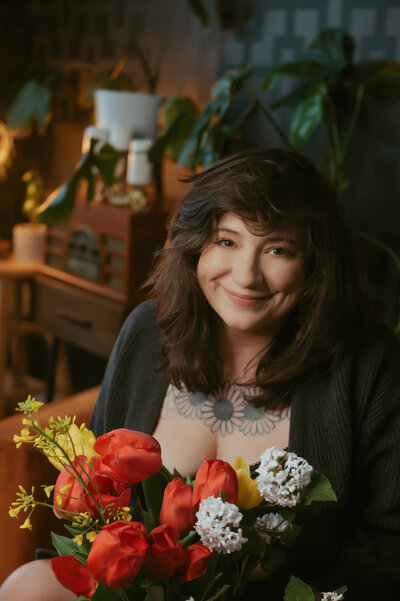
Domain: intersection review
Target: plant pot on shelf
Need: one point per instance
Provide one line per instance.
(133, 111)
(29, 241)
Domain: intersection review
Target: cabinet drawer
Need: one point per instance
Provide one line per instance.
(77, 316)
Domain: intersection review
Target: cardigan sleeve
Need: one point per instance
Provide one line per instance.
(133, 387)
(370, 558)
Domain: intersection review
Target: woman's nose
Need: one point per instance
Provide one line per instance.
(246, 272)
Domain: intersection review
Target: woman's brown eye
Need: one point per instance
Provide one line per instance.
(224, 242)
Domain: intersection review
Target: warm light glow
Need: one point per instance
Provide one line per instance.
(6, 144)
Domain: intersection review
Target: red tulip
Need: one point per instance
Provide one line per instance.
(213, 476)
(118, 553)
(177, 507)
(73, 575)
(113, 491)
(68, 492)
(133, 456)
(197, 559)
(71, 495)
(166, 553)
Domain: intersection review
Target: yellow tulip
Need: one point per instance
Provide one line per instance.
(78, 441)
(248, 495)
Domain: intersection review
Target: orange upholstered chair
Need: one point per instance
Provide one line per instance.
(26, 466)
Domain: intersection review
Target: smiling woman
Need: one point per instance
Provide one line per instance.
(260, 334)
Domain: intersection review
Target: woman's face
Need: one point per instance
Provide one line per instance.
(251, 281)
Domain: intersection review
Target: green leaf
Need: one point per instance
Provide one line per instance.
(254, 545)
(100, 594)
(220, 593)
(153, 495)
(149, 520)
(297, 590)
(230, 84)
(180, 115)
(274, 557)
(188, 539)
(137, 511)
(290, 536)
(309, 114)
(288, 513)
(116, 594)
(333, 48)
(65, 546)
(341, 590)
(319, 489)
(303, 68)
(154, 593)
(330, 53)
(381, 79)
(210, 585)
(59, 204)
(199, 9)
(31, 107)
(105, 161)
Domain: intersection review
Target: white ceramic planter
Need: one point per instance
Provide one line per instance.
(29, 241)
(133, 111)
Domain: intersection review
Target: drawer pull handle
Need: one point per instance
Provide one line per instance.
(74, 319)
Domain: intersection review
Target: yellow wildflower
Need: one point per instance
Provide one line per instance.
(76, 441)
(27, 524)
(78, 539)
(91, 536)
(248, 495)
(24, 436)
(48, 489)
(31, 405)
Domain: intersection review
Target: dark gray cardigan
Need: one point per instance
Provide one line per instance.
(346, 424)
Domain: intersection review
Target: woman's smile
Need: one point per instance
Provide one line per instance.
(247, 300)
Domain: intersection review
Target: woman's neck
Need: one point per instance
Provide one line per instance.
(241, 353)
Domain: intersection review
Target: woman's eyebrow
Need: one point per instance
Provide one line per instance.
(227, 230)
(286, 239)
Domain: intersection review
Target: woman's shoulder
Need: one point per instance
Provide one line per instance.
(142, 315)
(372, 338)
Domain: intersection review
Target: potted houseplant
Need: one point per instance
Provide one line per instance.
(29, 238)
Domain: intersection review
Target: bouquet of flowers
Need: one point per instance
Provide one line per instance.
(181, 539)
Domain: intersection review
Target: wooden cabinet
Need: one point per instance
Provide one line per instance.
(77, 316)
(95, 265)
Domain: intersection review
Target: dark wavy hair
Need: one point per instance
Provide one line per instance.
(268, 189)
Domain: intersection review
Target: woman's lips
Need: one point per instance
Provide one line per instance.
(246, 300)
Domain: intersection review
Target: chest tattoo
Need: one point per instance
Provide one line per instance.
(224, 412)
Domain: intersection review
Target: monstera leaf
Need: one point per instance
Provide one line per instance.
(180, 114)
(59, 204)
(31, 107)
(213, 135)
(329, 55)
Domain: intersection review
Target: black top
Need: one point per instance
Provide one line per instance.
(346, 424)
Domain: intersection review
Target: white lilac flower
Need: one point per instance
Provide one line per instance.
(218, 525)
(282, 476)
(331, 596)
(270, 522)
(190, 599)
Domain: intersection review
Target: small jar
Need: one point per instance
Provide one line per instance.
(140, 171)
(119, 140)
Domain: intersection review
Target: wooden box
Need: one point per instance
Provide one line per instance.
(105, 249)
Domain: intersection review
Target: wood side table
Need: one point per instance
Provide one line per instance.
(14, 274)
